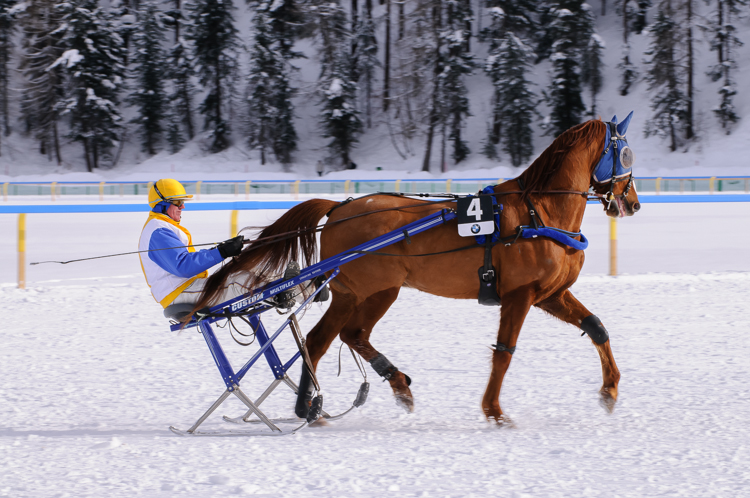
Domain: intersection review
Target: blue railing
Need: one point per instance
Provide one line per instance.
(248, 188)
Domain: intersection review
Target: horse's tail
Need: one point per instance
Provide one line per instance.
(290, 238)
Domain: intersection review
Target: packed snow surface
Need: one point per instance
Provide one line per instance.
(91, 378)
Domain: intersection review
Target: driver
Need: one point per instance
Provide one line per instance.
(174, 270)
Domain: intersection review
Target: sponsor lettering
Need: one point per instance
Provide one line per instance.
(250, 300)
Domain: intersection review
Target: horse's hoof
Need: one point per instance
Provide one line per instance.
(406, 402)
(501, 420)
(400, 385)
(608, 398)
(321, 422)
(505, 422)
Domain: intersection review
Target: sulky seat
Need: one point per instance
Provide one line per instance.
(178, 311)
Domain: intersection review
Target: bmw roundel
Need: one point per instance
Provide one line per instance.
(475, 228)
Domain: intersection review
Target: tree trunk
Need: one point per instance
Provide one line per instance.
(177, 7)
(443, 142)
(434, 118)
(689, 132)
(86, 155)
(401, 20)
(604, 7)
(720, 7)
(368, 75)
(56, 143)
(387, 61)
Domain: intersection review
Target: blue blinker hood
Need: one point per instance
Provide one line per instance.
(614, 155)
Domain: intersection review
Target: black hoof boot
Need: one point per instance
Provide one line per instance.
(304, 394)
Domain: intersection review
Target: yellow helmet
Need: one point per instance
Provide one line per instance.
(166, 189)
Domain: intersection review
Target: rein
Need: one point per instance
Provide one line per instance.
(264, 241)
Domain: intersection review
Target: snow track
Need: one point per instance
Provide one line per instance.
(92, 378)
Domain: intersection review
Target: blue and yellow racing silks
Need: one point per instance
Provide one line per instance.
(170, 267)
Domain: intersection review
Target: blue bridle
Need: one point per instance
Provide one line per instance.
(617, 158)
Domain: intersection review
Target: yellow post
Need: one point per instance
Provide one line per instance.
(233, 224)
(499, 181)
(22, 251)
(448, 186)
(52, 190)
(5, 191)
(613, 247)
(296, 189)
(398, 185)
(658, 185)
(711, 182)
(247, 190)
(101, 191)
(198, 190)
(346, 186)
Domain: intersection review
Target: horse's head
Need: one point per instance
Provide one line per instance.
(613, 175)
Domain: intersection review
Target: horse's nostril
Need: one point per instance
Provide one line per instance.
(636, 207)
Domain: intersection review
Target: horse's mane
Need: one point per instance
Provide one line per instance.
(538, 175)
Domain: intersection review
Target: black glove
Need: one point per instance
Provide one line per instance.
(231, 247)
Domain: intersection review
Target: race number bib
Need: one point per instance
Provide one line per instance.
(475, 216)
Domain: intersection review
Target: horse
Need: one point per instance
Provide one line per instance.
(530, 272)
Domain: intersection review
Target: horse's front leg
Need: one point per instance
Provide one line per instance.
(568, 309)
(515, 306)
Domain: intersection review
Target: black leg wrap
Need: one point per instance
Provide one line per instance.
(592, 326)
(500, 347)
(304, 394)
(383, 367)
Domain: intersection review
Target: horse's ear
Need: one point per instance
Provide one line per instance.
(614, 119)
(623, 127)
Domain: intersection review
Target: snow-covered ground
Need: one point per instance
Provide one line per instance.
(91, 378)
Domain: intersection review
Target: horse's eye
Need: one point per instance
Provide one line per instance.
(627, 157)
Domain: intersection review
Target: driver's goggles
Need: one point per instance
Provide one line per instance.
(177, 202)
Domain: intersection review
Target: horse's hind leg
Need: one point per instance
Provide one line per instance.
(318, 341)
(356, 334)
(568, 309)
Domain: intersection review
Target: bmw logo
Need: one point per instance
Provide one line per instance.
(475, 228)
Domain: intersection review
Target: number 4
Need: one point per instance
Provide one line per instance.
(474, 209)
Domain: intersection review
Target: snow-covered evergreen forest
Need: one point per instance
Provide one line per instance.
(84, 83)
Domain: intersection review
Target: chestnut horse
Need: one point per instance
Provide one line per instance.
(532, 272)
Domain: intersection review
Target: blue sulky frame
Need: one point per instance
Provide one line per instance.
(256, 302)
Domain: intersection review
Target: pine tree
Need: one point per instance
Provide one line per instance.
(43, 84)
(179, 71)
(627, 69)
(591, 68)
(216, 45)
(458, 63)
(271, 112)
(724, 39)
(508, 16)
(507, 66)
(366, 60)
(339, 118)
(665, 80)
(571, 26)
(149, 61)
(93, 63)
(640, 21)
(7, 30)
